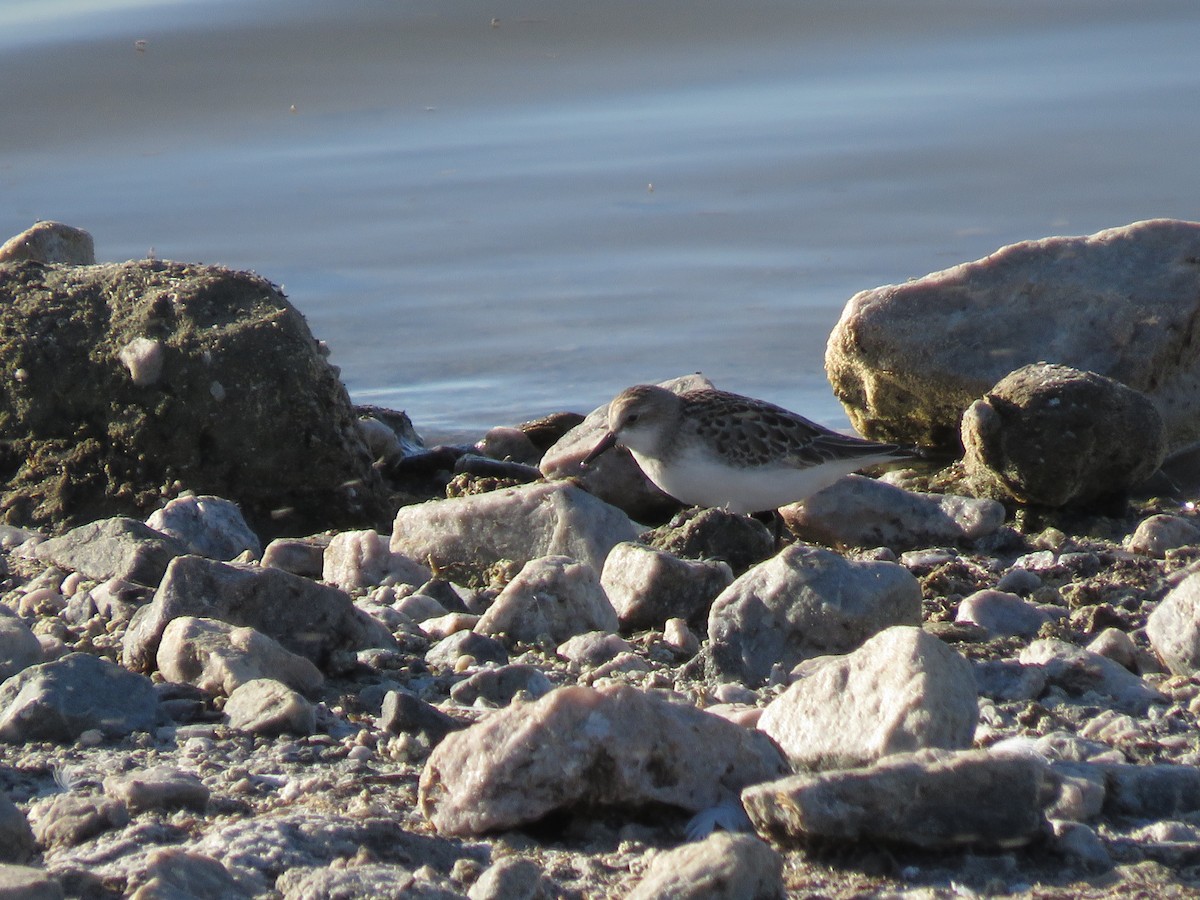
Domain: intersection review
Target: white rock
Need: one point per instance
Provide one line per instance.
(207, 526)
(266, 706)
(1005, 614)
(1174, 627)
(901, 691)
(1078, 671)
(51, 242)
(357, 559)
(1157, 534)
(143, 357)
(517, 524)
(555, 597)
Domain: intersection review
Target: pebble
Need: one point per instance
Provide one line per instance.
(206, 525)
(268, 707)
(647, 586)
(721, 867)
(553, 597)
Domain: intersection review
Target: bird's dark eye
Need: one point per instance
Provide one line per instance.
(630, 419)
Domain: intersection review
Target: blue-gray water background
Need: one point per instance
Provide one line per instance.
(492, 210)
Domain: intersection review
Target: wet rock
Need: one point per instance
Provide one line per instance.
(66, 820)
(907, 360)
(722, 867)
(1005, 614)
(802, 603)
(113, 548)
(1157, 534)
(1078, 673)
(1151, 792)
(27, 883)
(320, 620)
(16, 837)
(553, 596)
(1050, 435)
(356, 559)
(612, 746)
(1174, 627)
(901, 691)
(714, 534)
(647, 587)
(857, 511)
(516, 524)
(219, 658)
(60, 700)
(615, 477)
(403, 713)
(931, 799)
(19, 646)
(300, 556)
(498, 687)
(479, 647)
(512, 878)
(207, 526)
(160, 787)
(245, 407)
(371, 880)
(50, 242)
(268, 707)
(174, 874)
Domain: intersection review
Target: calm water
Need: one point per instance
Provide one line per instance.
(495, 210)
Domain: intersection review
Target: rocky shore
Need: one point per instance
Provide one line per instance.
(306, 656)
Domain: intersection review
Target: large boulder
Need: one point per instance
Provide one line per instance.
(906, 360)
(122, 383)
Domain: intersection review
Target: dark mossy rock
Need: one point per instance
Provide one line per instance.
(122, 385)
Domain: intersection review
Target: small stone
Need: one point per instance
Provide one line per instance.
(268, 707)
(403, 713)
(26, 883)
(724, 866)
(1079, 672)
(1080, 842)
(300, 556)
(647, 586)
(1157, 534)
(714, 534)
(143, 357)
(932, 799)
(19, 646)
(831, 716)
(174, 874)
(1019, 581)
(512, 878)
(357, 559)
(1114, 644)
(680, 638)
(593, 648)
(16, 837)
(553, 596)
(420, 608)
(1005, 614)
(466, 643)
(1174, 627)
(51, 242)
(160, 787)
(67, 820)
(207, 526)
(118, 547)
(498, 686)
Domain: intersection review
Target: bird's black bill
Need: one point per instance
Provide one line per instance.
(606, 443)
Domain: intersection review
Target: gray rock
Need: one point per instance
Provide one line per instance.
(1079, 842)
(932, 799)
(1005, 614)
(517, 524)
(268, 707)
(512, 878)
(19, 646)
(402, 713)
(26, 883)
(300, 556)
(50, 242)
(1157, 534)
(901, 691)
(1174, 627)
(802, 603)
(479, 647)
(244, 402)
(612, 746)
(553, 596)
(219, 658)
(113, 548)
(16, 837)
(592, 649)
(356, 559)
(366, 881)
(722, 867)
(320, 620)
(1160, 791)
(498, 687)
(647, 586)
(714, 534)
(174, 874)
(1008, 680)
(1020, 581)
(60, 700)
(615, 477)
(159, 787)
(67, 820)
(1079, 672)
(907, 360)
(207, 526)
(1050, 435)
(856, 511)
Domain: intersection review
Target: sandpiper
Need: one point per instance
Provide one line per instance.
(714, 448)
